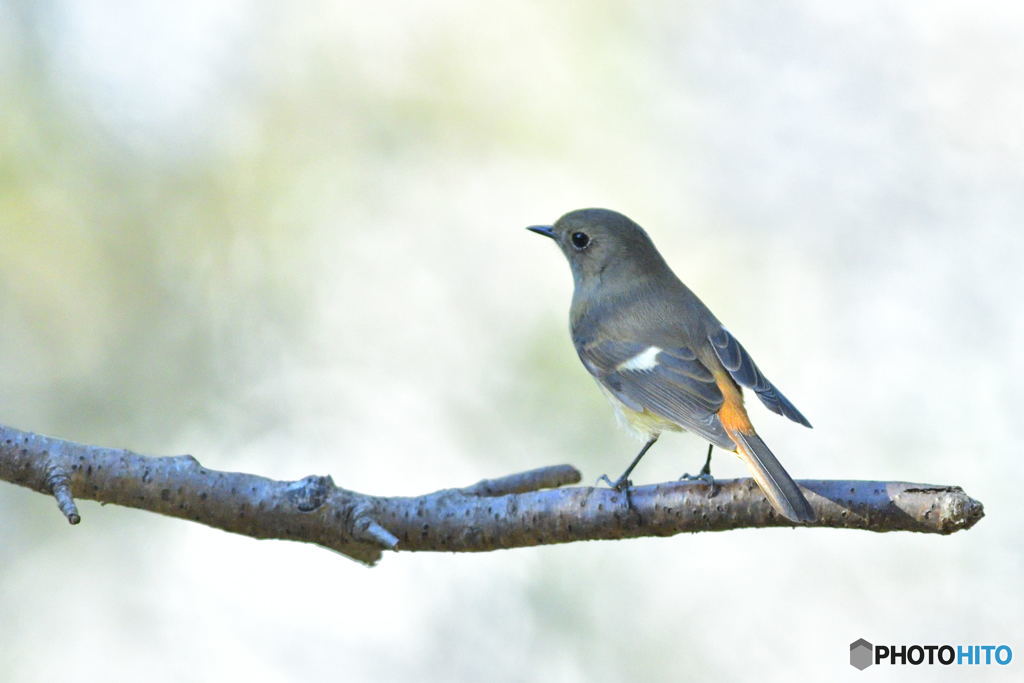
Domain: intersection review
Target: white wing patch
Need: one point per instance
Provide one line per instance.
(645, 360)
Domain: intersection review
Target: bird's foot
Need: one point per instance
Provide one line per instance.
(622, 485)
(704, 476)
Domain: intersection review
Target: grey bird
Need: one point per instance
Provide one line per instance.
(662, 358)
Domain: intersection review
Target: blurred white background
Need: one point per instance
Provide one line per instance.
(288, 240)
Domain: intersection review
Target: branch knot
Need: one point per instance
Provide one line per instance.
(311, 492)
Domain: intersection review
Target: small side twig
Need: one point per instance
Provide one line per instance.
(59, 484)
(368, 529)
(532, 480)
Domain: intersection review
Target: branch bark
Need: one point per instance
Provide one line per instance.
(524, 509)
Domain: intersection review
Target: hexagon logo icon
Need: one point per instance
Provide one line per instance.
(861, 652)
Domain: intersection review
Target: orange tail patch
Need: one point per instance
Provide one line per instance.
(732, 413)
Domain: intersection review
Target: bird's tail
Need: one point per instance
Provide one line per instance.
(775, 482)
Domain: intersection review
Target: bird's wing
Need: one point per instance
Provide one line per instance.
(670, 383)
(741, 368)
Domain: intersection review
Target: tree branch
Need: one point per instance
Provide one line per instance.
(518, 510)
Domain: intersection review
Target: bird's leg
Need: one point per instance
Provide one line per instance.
(705, 473)
(623, 481)
(706, 470)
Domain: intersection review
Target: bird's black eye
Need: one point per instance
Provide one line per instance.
(580, 240)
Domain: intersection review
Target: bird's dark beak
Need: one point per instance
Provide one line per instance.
(545, 230)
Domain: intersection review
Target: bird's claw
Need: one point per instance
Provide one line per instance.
(620, 484)
(704, 477)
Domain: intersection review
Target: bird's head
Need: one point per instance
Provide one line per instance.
(599, 241)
